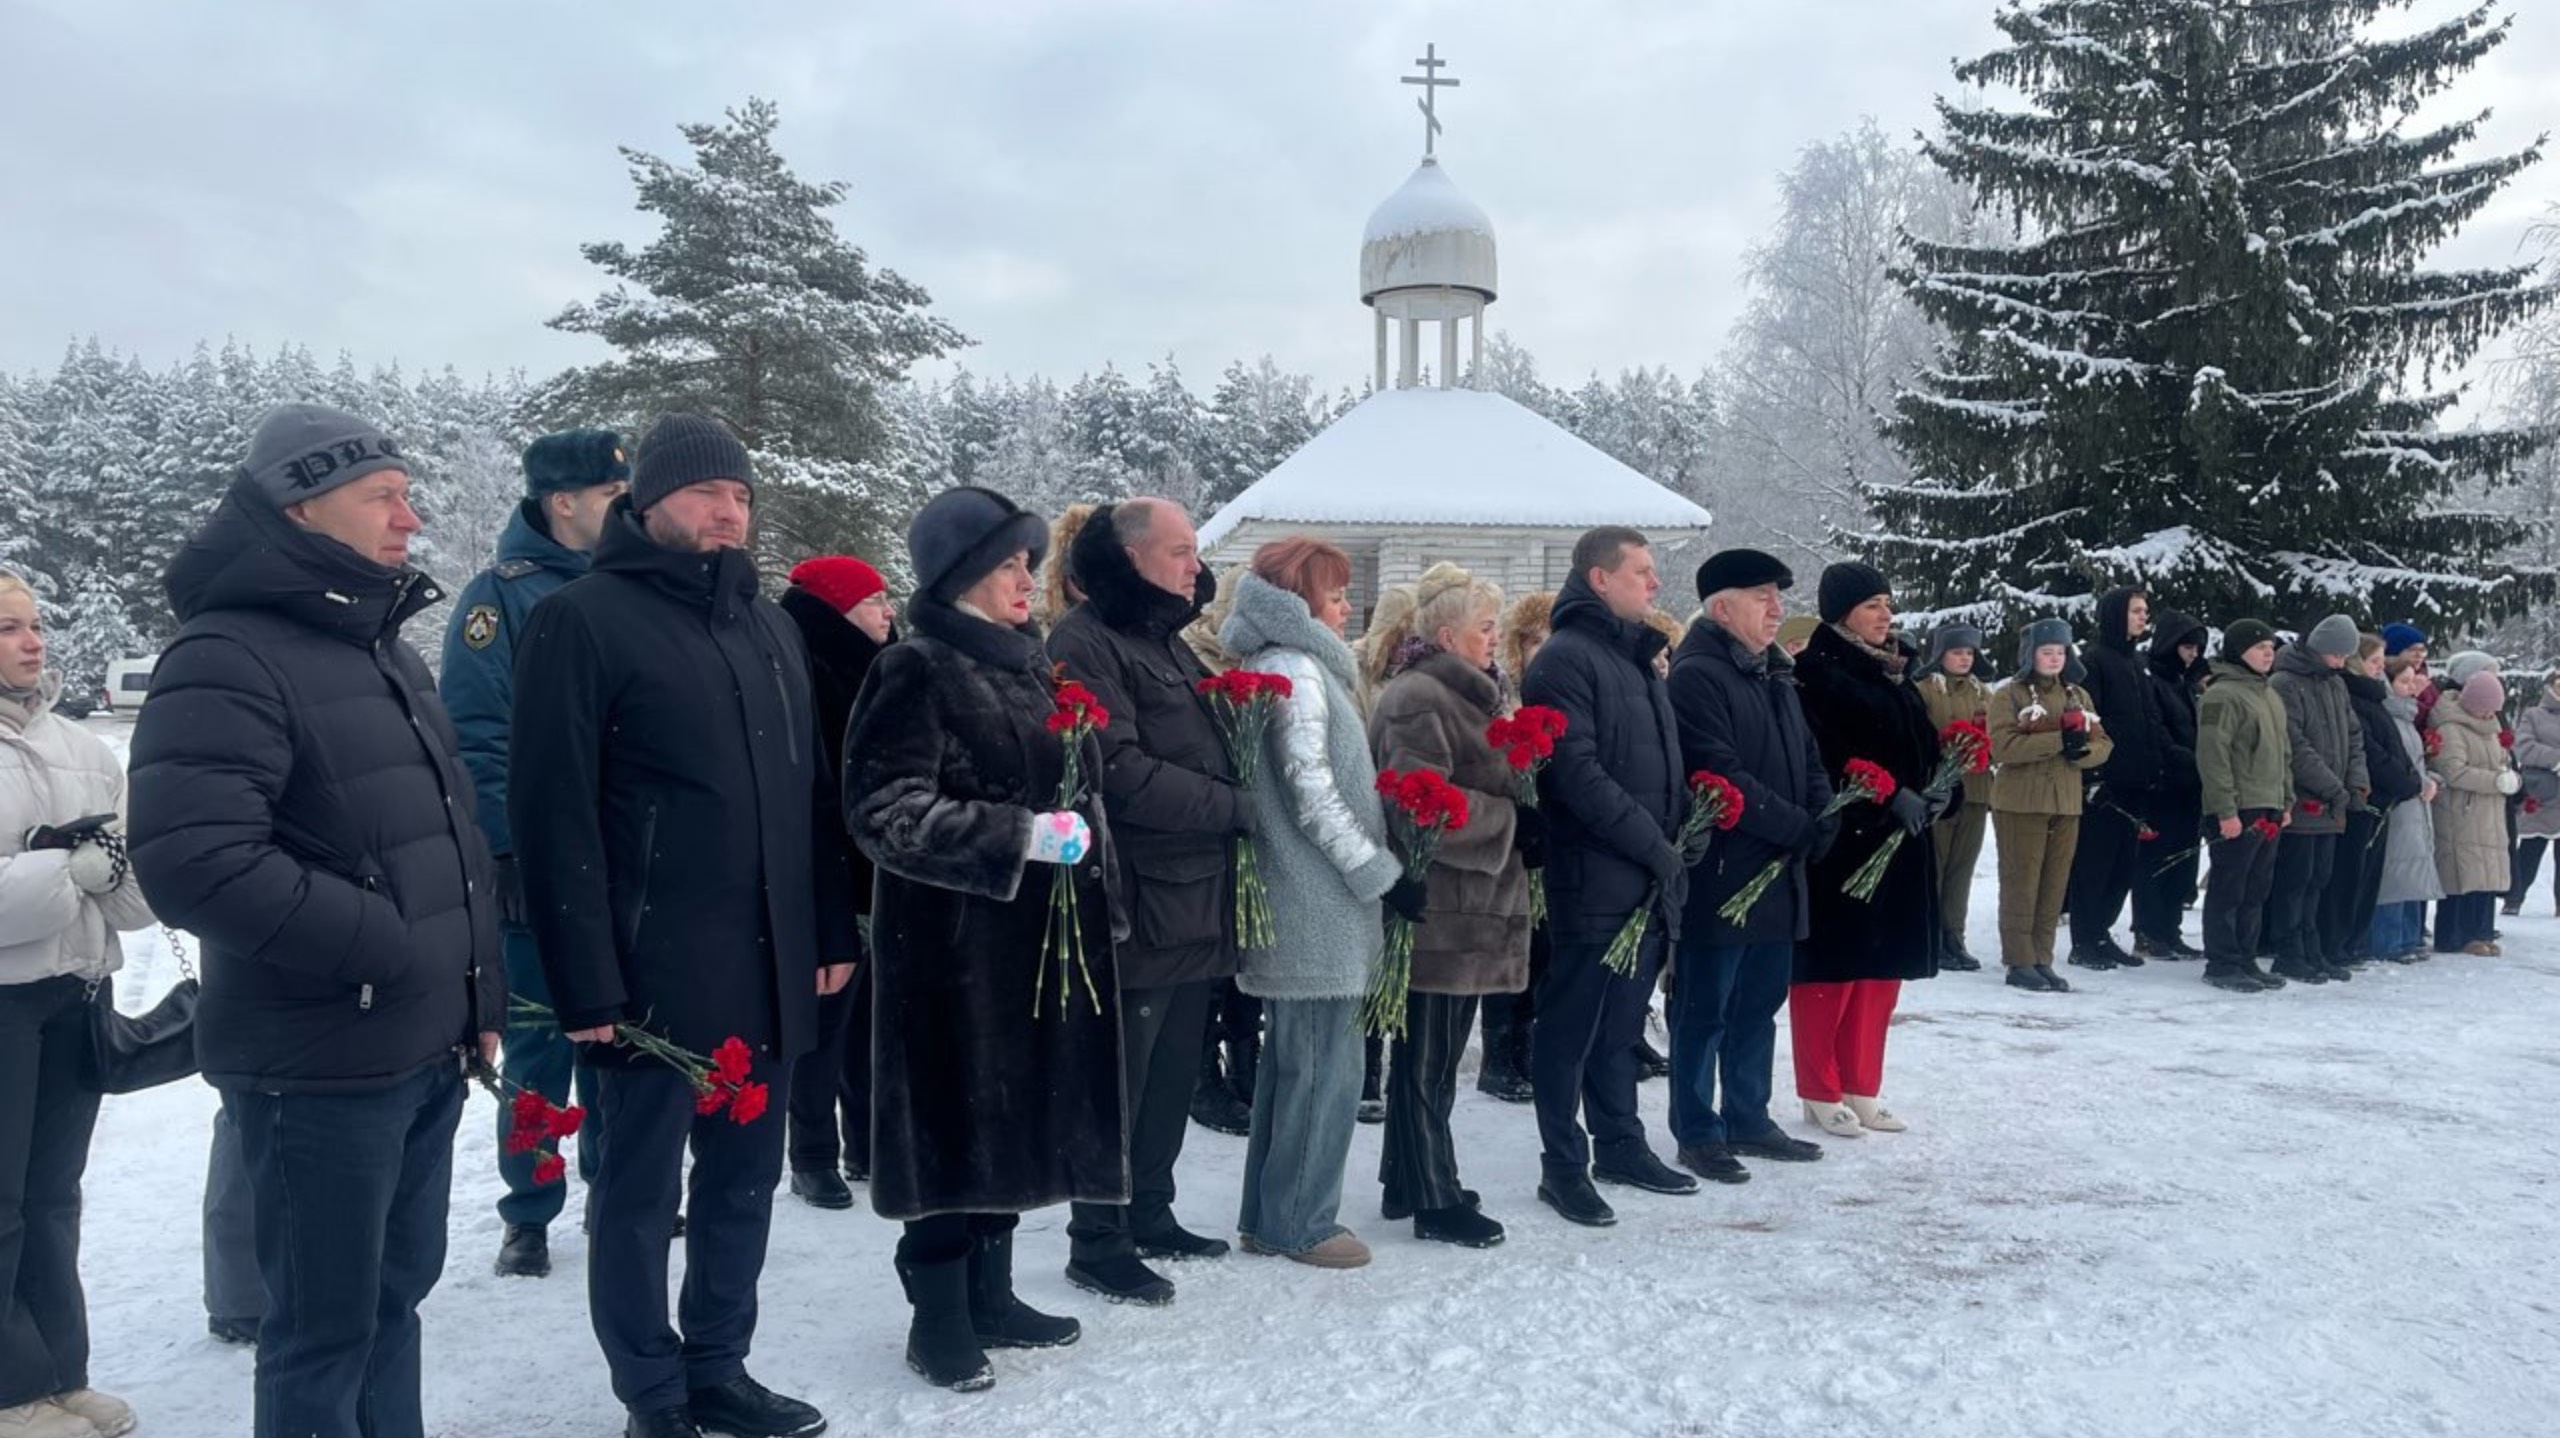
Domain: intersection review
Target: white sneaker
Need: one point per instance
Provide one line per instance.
(110, 1415)
(44, 1419)
(1833, 1119)
(1872, 1114)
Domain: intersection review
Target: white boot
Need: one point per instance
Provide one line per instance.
(44, 1419)
(110, 1415)
(1833, 1119)
(1872, 1114)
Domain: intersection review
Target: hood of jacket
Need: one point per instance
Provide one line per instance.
(2299, 661)
(249, 555)
(1577, 607)
(1121, 597)
(832, 639)
(1267, 616)
(2114, 608)
(2363, 689)
(2169, 629)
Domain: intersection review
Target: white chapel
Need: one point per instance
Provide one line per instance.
(1427, 469)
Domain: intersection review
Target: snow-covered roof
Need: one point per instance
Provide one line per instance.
(1427, 235)
(1452, 458)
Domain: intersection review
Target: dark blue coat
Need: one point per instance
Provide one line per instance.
(1740, 716)
(298, 804)
(478, 682)
(1614, 794)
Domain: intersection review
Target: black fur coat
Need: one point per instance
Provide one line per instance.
(977, 1105)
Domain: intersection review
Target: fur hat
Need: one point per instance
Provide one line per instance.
(961, 536)
(573, 459)
(1948, 638)
(2037, 636)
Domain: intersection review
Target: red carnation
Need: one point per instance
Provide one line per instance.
(566, 1121)
(1870, 779)
(732, 1061)
(2313, 808)
(2146, 835)
(550, 1168)
(2434, 742)
(1969, 740)
(2506, 738)
(2533, 806)
(749, 1104)
(711, 1100)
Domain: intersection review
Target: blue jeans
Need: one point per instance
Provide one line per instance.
(539, 1056)
(2396, 928)
(1306, 1101)
(1724, 1026)
(351, 1192)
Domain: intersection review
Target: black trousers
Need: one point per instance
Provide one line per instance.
(1517, 1012)
(2102, 870)
(1160, 1037)
(351, 1191)
(1234, 1023)
(2355, 886)
(2235, 897)
(948, 1237)
(46, 1116)
(232, 1287)
(1582, 1056)
(2304, 863)
(831, 1085)
(2527, 868)
(728, 1207)
(2164, 883)
(2463, 919)
(1418, 1160)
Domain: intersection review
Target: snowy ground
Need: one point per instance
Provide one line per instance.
(2143, 1208)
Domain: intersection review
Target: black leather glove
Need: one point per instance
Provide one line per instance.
(511, 908)
(1529, 836)
(2075, 743)
(1408, 899)
(1826, 832)
(1909, 810)
(69, 835)
(1939, 804)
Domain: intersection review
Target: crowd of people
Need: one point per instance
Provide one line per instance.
(957, 884)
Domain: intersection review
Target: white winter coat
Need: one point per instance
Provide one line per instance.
(51, 772)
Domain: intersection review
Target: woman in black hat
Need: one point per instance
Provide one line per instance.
(982, 1107)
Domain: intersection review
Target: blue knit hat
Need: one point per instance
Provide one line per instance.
(2396, 637)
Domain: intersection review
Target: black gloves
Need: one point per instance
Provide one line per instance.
(1408, 899)
(1909, 810)
(511, 909)
(1529, 836)
(1939, 804)
(70, 835)
(1671, 875)
(1826, 832)
(2075, 743)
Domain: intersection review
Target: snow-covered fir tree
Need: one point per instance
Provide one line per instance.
(751, 307)
(2210, 359)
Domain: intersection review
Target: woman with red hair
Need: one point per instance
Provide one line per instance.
(1322, 836)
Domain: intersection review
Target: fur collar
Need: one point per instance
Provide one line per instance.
(1121, 597)
(983, 640)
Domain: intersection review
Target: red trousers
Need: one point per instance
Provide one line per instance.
(1839, 1036)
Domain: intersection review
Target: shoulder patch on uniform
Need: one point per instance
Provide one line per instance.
(480, 626)
(515, 568)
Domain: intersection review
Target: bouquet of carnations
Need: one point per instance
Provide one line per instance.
(1526, 740)
(1715, 803)
(1421, 806)
(1866, 780)
(1244, 702)
(1076, 716)
(1964, 749)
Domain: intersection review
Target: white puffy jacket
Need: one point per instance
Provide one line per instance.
(51, 772)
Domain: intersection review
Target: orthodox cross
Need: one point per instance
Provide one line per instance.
(1431, 82)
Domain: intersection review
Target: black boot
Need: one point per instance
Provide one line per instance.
(1651, 1063)
(661, 1423)
(744, 1408)
(1170, 1239)
(2232, 977)
(942, 1344)
(2267, 981)
(1001, 1320)
(1955, 958)
(821, 1188)
(1500, 1073)
(525, 1252)
(1394, 1209)
(1122, 1280)
(1462, 1225)
(2093, 956)
(1373, 1097)
(2028, 977)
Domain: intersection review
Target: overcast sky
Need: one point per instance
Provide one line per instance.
(1075, 183)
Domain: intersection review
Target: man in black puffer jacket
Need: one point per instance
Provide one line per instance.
(2111, 850)
(1615, 797)
(2164, 887)
(684, 869)
(301, 806)
(1175, 812)
(2346, 908)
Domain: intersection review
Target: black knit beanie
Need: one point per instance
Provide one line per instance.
(2243, 636)
(1847, 585)
(682, 450)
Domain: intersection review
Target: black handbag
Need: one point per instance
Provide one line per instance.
(130, 1054)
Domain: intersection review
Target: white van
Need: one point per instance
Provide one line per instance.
(128, 684)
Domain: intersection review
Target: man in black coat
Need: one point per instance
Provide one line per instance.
(1175, 812)
(300, 805)
(2102, 871)
(846, 619)
(2165, 885)
(1734, 692)
(1615, 797)
(684, 874)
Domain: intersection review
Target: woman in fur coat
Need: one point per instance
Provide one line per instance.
(984, 1106)
(1322, 834)
(1442, 692)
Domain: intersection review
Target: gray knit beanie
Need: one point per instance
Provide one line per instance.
(2335, 637)
(683, 450)
(302, 451)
